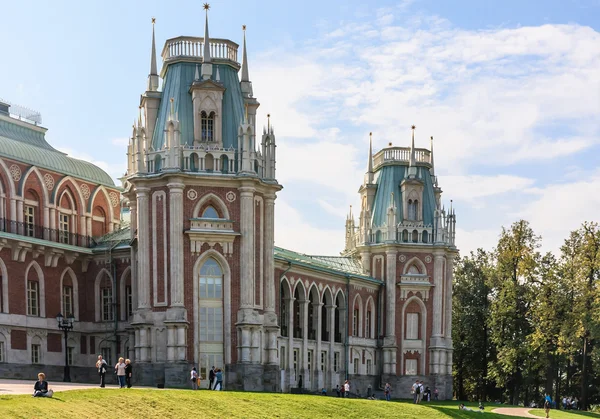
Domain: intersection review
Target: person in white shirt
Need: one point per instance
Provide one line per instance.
(101, 366)
(414, 391)
(194, 378)
(347, 388)
(120, 370)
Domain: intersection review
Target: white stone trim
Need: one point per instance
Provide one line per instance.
(405, 344)
(360, 315)
(4, 285)
(415, 261)
(226, 270)
(217, 201)
(97, 304)
(123, 297)
(162, 197)
(41, 290)
(370, 302)
(75, 292)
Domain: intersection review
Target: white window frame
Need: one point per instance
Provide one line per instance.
(106, 304)
(369, 367)
(356, 363)
(128, 302)
(336, 361)
(29, 220)
(36, 353)
(410, 366)
(67, 300)
(368, 325)
(412, 326)
(64, 228)
(33, 296)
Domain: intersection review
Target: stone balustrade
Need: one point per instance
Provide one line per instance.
(400, 154)
(193, 47)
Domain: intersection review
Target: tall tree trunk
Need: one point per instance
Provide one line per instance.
(557, 399)
(584, 373)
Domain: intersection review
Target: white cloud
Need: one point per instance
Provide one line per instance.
(495, 98)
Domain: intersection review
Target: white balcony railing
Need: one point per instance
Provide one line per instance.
(190, 46)
(400, 154)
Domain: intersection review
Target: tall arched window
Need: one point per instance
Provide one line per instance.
(106, 299)
(208, 126)
(211, 316)
(413, 208)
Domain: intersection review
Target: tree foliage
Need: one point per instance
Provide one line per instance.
(526, 323)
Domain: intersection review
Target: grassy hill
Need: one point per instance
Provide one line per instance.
(151, 403)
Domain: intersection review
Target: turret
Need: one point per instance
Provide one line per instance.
(172, 140)
(391, 219)
(150, 100)
(268, 150)
(245, 133)
(412, 162)
(369, 175)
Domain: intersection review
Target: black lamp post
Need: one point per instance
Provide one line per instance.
(66, 324)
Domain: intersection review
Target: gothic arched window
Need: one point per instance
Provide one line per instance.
(413, 207)
(210, 315)
(210, 212)
(207, 123)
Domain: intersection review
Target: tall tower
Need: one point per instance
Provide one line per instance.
(202, 196)
(406, 239)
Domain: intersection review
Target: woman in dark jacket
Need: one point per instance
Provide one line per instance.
(40, 389)
(128, 372)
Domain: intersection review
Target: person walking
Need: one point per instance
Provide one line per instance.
(128, 372)
(194, 378)
(120, 371)
(218, 379)
(101, 366)
(211, 377)
(414, 391)
(347, 388)
(547, 405)
(388, 391)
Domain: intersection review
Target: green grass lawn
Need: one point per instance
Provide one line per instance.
(561, 414)
(151, 403)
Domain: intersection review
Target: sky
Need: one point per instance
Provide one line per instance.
(509, 89)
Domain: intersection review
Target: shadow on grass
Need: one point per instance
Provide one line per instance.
(571, 413)
(455, 412)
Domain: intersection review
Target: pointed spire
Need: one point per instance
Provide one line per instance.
(197, 74)
(269, 123)
(245, 83)
(370, 163)
(172, 114)
(245, 76)
(153, 76)
(206, 55)
(140, 117)
(218, 76)
(431, 157)
(413, 161)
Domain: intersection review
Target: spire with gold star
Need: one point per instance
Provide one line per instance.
(153, 76)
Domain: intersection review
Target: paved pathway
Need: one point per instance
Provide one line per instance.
(26, 386)
(522, 412)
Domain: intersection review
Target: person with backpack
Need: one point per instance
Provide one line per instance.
(547, 405)
(414, 388)
(419, 391)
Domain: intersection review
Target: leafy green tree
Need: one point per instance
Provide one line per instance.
(511, 291)
(470, 331)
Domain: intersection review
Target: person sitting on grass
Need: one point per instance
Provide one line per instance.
(40, 389)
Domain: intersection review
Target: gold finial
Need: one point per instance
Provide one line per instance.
(243, 27)
(370, 134)
(206, 6)
(269, 122)
(413, 127)
(432, 138)
(390, 144)
(153, 20)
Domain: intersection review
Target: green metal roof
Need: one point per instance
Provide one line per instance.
(29, 146)
(116, 239)
(178, 80)
(333, 264)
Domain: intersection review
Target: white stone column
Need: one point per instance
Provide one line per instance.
(20, 227)
(245, 346)
(438, 291)
(144, 355)
(176, 242)
(305, 372)
(13, 210)
(256, 345)
(389, 344)
(181, 343)
(290, 366)
(171, 343)
(50, 233)
(143, 248)
(269, 253)
(247, 247)
(319, 376)
(331, 321)
(448, 307)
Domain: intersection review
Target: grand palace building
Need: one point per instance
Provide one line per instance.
(177, 267)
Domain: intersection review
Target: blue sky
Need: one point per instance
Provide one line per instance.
(509, 89)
